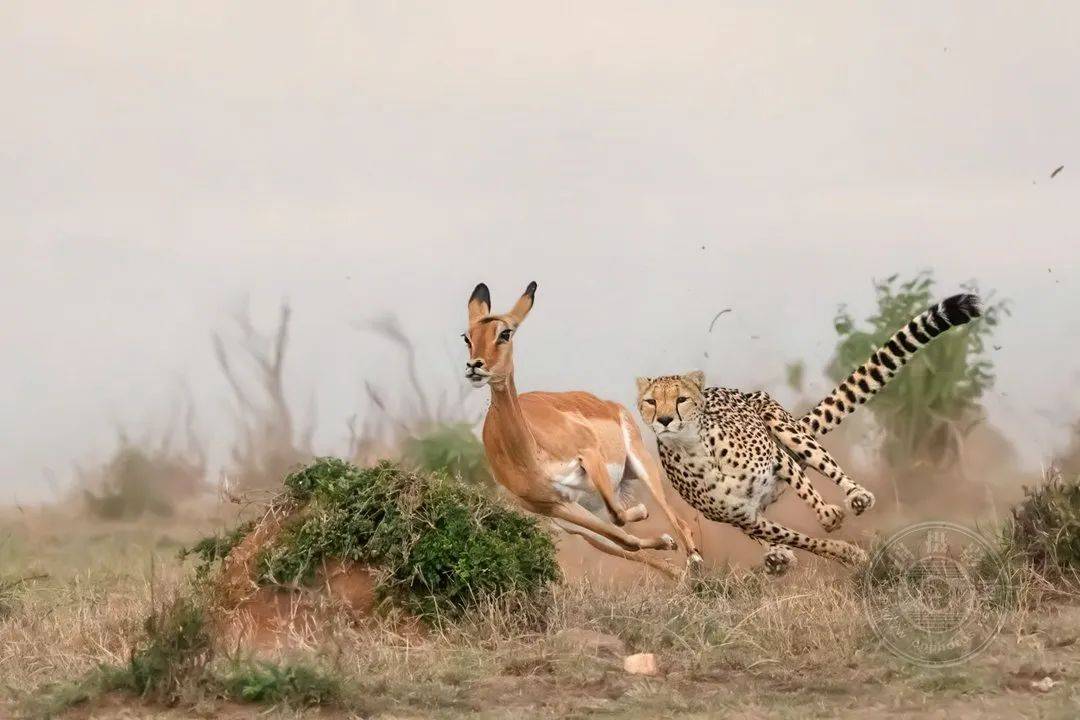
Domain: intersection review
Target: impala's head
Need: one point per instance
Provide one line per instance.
(671, 405)
(490, 337)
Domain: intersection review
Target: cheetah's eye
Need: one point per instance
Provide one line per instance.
(465, 337)
(681, 399)
(649, 401)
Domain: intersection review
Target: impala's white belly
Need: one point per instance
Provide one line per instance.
(572, 484)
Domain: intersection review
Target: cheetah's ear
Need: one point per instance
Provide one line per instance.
(643, 384)
(696, 378)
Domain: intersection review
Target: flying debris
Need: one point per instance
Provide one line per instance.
(717, 317)
(1059, 169)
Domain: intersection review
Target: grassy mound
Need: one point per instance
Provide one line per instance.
(438, 545)
(1044, 532)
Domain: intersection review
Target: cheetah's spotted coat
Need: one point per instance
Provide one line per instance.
(724, 450)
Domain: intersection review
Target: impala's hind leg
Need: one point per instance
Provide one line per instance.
(787, 431)
(606, 546)
(593, 465)
(773, 534)
(577, 515)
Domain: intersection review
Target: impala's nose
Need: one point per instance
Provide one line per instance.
(664, 420)
(472, 365)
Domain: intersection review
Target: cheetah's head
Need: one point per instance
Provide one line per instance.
(671, 405)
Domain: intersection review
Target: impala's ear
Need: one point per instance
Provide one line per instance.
(696, 378)
(479, 303)
(524, 304)
(643, 384)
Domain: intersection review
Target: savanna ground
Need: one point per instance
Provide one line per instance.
(76, 595)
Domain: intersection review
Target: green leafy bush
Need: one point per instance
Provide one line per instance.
(270, 683)
(440, 545)
(175, 647)
(174, 659)
(928, 407)
(451, 448)
(213, 548)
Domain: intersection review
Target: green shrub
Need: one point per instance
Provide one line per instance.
(450, 448)
(1044, 532)
(440, 545)
(176, 646)
(270, 683)
(173, 659)
(213, 548)
(925, 411)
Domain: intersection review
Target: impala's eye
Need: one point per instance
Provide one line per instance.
(681, 399)
(504, 336)
(466, 339)
(649, 401)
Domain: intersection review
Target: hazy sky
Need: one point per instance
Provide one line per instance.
(647, 163)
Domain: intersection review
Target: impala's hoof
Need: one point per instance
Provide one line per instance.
(667, 542)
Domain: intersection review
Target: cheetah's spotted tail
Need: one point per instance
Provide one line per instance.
(887, 360)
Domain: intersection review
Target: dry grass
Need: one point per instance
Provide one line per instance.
(735, 643)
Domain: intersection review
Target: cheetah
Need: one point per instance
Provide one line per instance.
(724, 450)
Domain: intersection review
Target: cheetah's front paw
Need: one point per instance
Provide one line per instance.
(779, 560)
(860, 500)
(831, 517)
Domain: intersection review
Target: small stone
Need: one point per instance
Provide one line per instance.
(1045, 685)
(641, 664)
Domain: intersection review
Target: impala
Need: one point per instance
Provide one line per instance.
(550, 449)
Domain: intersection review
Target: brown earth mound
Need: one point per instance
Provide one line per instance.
(247, 613)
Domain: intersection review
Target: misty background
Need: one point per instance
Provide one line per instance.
(648, 164)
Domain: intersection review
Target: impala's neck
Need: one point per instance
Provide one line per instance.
(512, 440)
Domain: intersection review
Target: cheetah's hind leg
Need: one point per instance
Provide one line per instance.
(830, 516)
(803, 447)
(774, 534)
